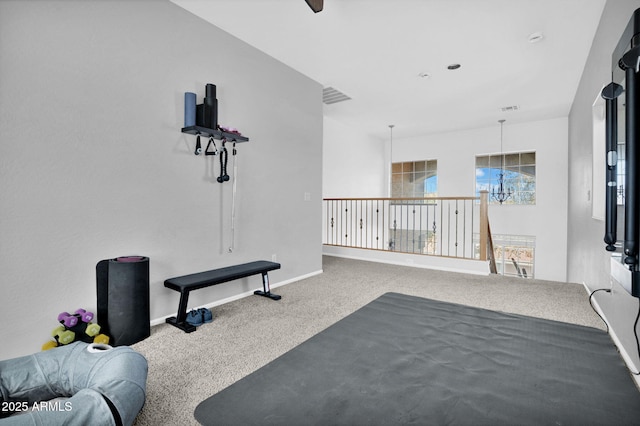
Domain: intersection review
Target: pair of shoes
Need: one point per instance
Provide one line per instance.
(199, 317)
(194, 318)
(207, 316)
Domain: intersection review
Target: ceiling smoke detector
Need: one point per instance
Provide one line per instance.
(332, 96)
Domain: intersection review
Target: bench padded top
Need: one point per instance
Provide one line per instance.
(218, 276)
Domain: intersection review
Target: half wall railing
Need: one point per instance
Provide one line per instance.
(437, 226)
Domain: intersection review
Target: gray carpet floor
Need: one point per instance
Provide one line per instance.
(185, 369)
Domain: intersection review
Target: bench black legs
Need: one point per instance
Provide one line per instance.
(267, 289)
(188, 283)
(180, 320)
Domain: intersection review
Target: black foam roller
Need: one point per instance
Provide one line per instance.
(210, 91)
(123, 299)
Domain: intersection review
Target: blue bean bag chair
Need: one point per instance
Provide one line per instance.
(104, 386)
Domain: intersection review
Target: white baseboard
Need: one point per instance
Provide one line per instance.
(623, 352)
(441, 263)
(162, 320)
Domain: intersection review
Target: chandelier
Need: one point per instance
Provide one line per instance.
(501, 195)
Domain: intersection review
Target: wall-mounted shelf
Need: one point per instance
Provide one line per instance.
(217, 134)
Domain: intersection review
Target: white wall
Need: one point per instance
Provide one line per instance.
(588, 261)
(93, 164)
(547, 220)
(353, 163)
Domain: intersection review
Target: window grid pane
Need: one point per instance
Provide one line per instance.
(519, 172)
(620, 171)
(414, 179)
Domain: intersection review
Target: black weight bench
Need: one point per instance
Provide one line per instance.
(188, 283)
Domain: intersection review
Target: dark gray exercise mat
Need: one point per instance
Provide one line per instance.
(408, 360)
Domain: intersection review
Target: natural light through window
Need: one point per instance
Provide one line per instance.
(620, 170)
(414, 179)
(519, 171)
(514, 254)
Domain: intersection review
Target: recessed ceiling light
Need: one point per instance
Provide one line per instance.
(535, 37)
(424, 75)
(453, 66)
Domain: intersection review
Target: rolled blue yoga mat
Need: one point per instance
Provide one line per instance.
(189, 109)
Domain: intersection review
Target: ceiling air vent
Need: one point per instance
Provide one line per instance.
(332, 96)
(510, 108)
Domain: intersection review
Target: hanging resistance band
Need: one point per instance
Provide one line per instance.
(198, 150)
(215, 148)
(224, 159)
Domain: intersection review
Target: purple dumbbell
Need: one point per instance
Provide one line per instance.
(85, 316)
(67, 319)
